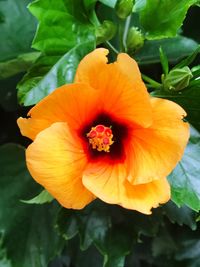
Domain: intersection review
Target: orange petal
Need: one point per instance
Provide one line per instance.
(90, 66)
(120, 86)
(95, 62)
(154, 152)
(56, 161)
(109, 183)
(73, 103)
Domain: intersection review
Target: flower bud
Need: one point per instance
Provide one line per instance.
(105, 31)
(177, 79)
(124, 8)
(135, 40)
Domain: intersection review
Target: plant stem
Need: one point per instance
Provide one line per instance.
(112, 47)
(126, 28)
(121, 34)
(153, 83)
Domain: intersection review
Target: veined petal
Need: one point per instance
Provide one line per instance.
(95, 62)
(144, 197)
(56, 161)
(153, 152)
(73, 103)
(109, 183)
(121, 89)
(90, 66)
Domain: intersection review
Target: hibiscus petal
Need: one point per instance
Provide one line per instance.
(90, 66)
(73, 103)
(97, 60)
(109, 183)
(121, 89)
(56, 161)
(154, 152)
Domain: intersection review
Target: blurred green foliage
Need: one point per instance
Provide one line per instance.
(61, 33)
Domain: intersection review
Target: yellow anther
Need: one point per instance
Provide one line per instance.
(100, 138)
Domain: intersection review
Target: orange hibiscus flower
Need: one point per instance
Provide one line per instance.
(105, 137)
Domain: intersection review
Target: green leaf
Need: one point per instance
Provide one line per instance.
(32, 90)
(139, 5)
(29, 236)
(116, 245)
(62, 25)
(105, 31)
(162, 19)
(43, 197)
(94, 226)
(20, 64)
(17, 29)
(8, 95)
(89, 4)
(98, 229)
(184, 180)
(188, 98)
(190, 249)
(187, 61)
(73, 39)
(164, 61)
(4, 262)
(180, 215)
(40, 68)
(175, 49)
(67, 223)
(90, 257)
(163, 244)
(110, 3)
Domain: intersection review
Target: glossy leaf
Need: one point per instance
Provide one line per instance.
(98, 229)
(93, 224)
(187, 61)
(20, 64)
(61, 25)
(17, 28)
(110, 3)
(180, 215)
(33, 89)
(73, 31)
(174, 48)
(184, 180)
(40, 68)
(29, 238)
(94, 227)
(188, 98)
(162, 19)
(139, 5)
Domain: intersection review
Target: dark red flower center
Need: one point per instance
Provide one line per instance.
(117, 139)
